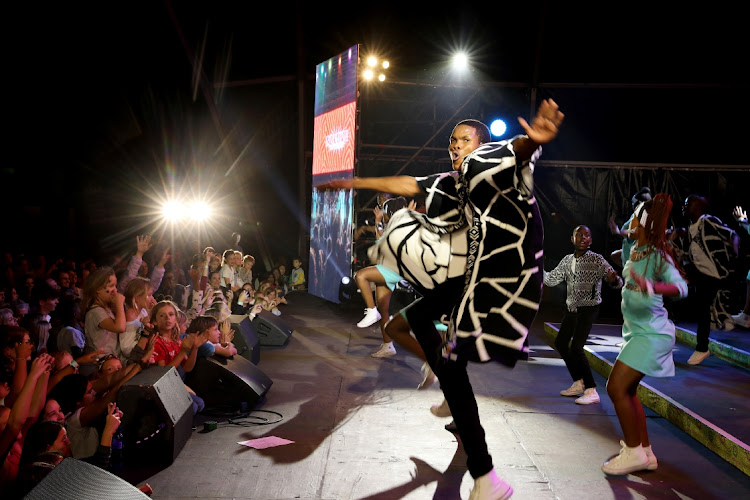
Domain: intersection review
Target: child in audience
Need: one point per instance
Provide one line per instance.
(104, 312)
(583, 271)
(139, 300)
(297, 277)
(210, 327)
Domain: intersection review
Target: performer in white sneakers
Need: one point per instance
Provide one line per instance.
(651, 273)
(476, 255)
(583, 271)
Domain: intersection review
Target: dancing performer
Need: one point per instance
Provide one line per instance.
(651, 273)
(475, 255)
(583, 271)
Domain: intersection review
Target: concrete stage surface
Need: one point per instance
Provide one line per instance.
(361, 430)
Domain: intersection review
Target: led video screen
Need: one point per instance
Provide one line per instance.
(334, 141)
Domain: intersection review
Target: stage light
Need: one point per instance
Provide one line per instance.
(172, 211)
(386, 65)
(381, 77)
(372, 61)
(498, 128)
(368, 74)
(345, 280)
(199, 211)
(460, 61)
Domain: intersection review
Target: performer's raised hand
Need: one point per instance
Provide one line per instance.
(545, 124)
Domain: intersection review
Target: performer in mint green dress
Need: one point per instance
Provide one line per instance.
(650, 274)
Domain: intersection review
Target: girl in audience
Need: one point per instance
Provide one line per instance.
(139, 300)
(104, 312)
(169, 349)
(246, 271)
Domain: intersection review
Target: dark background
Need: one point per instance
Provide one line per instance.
(115, 106)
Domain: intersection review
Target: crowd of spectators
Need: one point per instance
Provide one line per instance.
(74, 332)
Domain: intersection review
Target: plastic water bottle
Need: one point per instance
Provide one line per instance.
(116, 461)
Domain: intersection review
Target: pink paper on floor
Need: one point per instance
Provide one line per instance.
(265, 442)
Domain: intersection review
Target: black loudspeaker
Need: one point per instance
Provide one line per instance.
(157, 416)
(272, 331)
(245, 338)
(73, 478)
(233, 383)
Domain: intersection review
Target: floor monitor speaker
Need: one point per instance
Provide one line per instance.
(272, 331)
(157, 415)
(73, 478)
(229, 383)
(245, 337)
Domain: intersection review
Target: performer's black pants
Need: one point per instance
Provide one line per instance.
(453, 376)
(706, 288)
(574, 331)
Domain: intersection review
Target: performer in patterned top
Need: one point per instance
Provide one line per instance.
(583, 271)
(476, 256)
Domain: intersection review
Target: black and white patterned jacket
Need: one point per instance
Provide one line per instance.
(482, 222)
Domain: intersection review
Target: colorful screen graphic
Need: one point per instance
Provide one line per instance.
(334, 142)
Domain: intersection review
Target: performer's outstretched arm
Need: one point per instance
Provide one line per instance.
(402, 185)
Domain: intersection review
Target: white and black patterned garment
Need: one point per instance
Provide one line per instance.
(585, 281)
(485, 224)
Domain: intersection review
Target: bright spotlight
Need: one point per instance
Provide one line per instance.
(460, 61)
(368, 74)
(199, 211)
(381, 77)
(386, 65)
(498, 128)
(345, 280)
(172, 211)
(372, 61)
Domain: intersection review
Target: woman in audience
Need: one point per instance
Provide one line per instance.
(104, 312)
(38, 329)
(6, 317)
(16, 349)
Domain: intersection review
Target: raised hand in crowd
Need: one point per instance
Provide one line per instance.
(143, 244)
(227, 333)
(111, 424)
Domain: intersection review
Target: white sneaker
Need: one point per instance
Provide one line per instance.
(384, 351)
(429, 377)
(697, 357)
(742, 320)
(590, 396)
(441, 410)
(372, 316)
(653, 463)
(574, 390)
(629, 460)
(490, 487)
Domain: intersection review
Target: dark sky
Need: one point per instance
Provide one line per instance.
(106, 93)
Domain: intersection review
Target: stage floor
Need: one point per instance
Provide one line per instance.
(361, 430)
